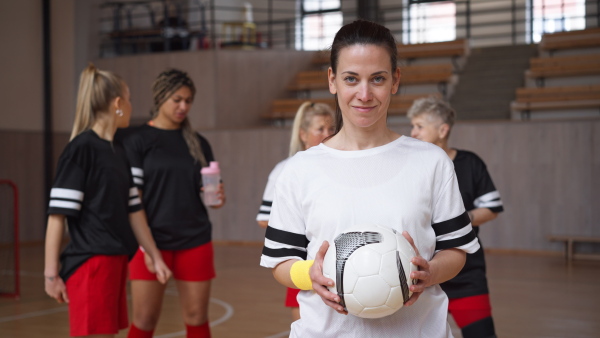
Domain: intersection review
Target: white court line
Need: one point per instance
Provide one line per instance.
(228, 314)
(171, 291)
(34, 314)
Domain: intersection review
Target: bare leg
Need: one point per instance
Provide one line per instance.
(194, 297)
(295, 313)
(147, 303)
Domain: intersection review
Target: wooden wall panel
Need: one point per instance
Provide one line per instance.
(247, 82)
(246, 158)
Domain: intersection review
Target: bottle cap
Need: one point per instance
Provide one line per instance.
(213, 168)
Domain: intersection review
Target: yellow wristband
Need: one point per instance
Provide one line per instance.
(300, 276)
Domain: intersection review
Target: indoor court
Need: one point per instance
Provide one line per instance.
(532, 296)
(522, 75)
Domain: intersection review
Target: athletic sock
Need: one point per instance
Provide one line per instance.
(202, 331)
(135, 332)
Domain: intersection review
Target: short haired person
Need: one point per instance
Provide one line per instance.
(432, 120)
(94, 193)
(166, 157)
(366, 173)
(312, 124)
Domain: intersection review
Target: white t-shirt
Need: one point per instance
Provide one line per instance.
(265, 207)
(406, 185)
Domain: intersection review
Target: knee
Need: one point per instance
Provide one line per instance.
(195, 316)
(145, 320)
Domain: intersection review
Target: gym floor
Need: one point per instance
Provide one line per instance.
(532, 296)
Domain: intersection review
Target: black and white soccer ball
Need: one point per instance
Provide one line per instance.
(371, 267)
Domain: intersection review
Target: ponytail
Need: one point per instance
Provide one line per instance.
(193, 143)
(97, 88)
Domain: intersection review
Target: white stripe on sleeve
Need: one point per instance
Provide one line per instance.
(65, 205)
(139, 172)
(135, 201)
(70, 194)
(489, 197)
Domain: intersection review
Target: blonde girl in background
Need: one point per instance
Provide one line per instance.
(313, 123)
(94, 192)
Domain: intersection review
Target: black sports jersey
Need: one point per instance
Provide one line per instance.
(170, 179)
(477, 191)
(94, 190)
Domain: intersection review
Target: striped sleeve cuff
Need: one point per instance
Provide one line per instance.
(282, 245)
(65, 201)
(264, 211)
(135, 203)
(490, 200)
(138, 176)
(456, 233)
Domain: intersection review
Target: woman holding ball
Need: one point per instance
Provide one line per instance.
(366, 173)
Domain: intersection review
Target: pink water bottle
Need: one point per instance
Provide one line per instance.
(211, 177)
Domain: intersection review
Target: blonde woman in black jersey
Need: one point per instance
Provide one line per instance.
(94, 193)
(166, 156)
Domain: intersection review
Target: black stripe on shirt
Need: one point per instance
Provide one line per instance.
(285, 237)
(267, 203)
(496, 209)
(456, 242)
(451, 225)
(286, 252)
(264, 212)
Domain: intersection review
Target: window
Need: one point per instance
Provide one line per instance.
(319, 21)
(550, 16)
(429, 21)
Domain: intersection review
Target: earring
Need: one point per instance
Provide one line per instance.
(119, 112)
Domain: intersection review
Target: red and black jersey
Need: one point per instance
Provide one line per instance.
(170, 181)
(94, 189)
(477, 191)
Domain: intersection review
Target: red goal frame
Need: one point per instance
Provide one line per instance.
(15, 190)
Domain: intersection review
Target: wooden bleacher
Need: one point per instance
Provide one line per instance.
(556, 98)
(439, 74)
(287, 108)
(586, 38)
(576, 63)
(452, 49)
(563, 66)
(416, 74)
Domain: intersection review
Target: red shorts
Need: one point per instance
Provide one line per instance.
(470, 309)
(290, 297)
(97, 296)
(192, 265)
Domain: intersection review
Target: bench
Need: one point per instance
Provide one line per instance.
(553, 98)
(453, 49)
(562, 66)
(570, 245)
(440, 74)
(286, 108)
(586, 38)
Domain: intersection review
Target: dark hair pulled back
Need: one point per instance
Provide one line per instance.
(360, 32)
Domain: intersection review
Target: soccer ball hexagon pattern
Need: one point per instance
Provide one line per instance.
(370, 265)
